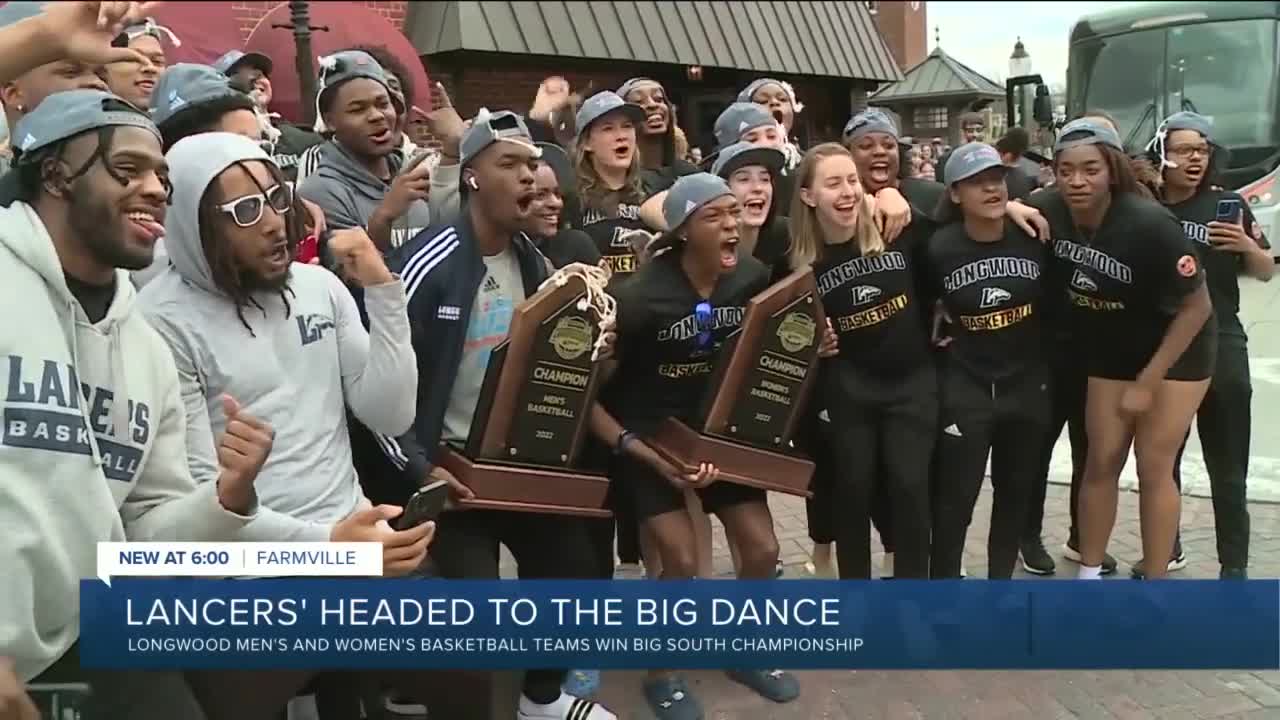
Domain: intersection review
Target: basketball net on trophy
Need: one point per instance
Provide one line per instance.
(596, 279)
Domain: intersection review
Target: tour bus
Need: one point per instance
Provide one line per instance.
(1142, 62)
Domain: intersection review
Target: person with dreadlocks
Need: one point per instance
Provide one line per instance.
(135, 81)
(232, 299)
(1229, 243)
(195, 99)
(93, 186)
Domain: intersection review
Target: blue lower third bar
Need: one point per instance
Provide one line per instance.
(794, 624)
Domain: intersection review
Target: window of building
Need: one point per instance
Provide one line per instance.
(930, 117)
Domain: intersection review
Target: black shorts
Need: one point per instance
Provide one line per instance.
(648, 494)
(1196, 362)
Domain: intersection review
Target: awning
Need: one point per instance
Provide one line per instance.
(830, 39)
(938, 77)
(206, 29)
(348, 24)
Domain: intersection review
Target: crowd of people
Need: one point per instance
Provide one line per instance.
(309, 316)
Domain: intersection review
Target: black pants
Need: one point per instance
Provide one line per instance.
(820, 509)
(125, 694)
(1068, 388)
(1224, 422)
(883, 433)
(1005, 420)
(466, 547)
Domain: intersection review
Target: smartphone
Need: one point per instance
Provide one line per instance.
(1228, 210)
(425, 506)
(61, 701)
(308, 249)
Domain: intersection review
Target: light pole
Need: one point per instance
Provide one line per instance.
(300, 24)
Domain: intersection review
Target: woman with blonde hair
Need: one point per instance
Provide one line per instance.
(881, 389)
(606, 159)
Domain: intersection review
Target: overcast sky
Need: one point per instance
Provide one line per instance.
(982, 34)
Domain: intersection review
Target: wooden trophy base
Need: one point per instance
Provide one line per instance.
(679, 444)
(523, 489)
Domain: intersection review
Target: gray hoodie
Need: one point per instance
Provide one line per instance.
(299, 368)
(349, 194)
(92, 449)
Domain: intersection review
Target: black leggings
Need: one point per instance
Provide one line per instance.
(1068, 388)
(1005, 420)
(1224, 422)
(883, 441)
(466, 547)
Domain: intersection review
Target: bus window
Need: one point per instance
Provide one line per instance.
(1226, 70)
(1121, 74)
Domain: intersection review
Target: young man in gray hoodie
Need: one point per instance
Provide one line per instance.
(287, 339)
(361, 180)
(93, 448)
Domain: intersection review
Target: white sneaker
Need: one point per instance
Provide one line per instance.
(566, 707)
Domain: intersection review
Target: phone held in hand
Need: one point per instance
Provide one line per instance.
(425, 506)
(61, 701)
(1228, 210)
(308, 250)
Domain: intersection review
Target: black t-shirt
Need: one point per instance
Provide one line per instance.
(1124, 284)
(655, 181)
(875, 303)
(992, 291)
(664, 367)
(95, 299)
(608, 229)
(569, 246)
(773, 243)
(1222, 267)
(924, 195)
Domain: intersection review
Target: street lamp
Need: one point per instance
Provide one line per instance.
(1019, 66)
(1019, 61)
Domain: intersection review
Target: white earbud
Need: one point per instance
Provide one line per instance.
(471, 182)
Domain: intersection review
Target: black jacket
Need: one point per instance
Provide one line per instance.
(442, 270)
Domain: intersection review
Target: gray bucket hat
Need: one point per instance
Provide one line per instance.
(603, 103)
(739, 119)
(969, 160)
(689, 194)
(67, 114)
(185, 85)
(1087, 131)
(489, 128)
(739, 155)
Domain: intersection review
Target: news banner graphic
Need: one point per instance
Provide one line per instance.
(316, 622)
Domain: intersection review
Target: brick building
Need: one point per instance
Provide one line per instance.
(494, 54)
(905, 28)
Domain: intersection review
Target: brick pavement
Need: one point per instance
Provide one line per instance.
(1030, 695)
